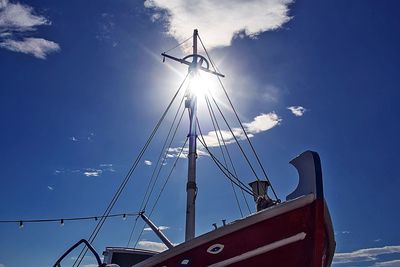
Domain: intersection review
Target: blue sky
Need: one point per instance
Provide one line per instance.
(82, 85)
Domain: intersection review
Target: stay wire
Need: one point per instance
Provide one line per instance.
(162, 189)
(162, 152)
(159, 166)
(95, 232)
(165, 155)
(224, 170)
(222, 152)
(226, 148)
(236, 140)
(241, 125)
(181, 43)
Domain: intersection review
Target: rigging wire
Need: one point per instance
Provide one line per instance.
(236, 140)
(222, 152)
(95, 232)
(164, 159)
(241, 125)
(162, 152)
(209, 106)
(181, 43)
(163, 187)
(224, 170)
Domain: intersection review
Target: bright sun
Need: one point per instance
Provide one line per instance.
(201, 85)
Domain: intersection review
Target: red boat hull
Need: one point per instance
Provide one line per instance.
(294, 237)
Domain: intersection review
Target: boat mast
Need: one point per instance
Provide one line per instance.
(198, 63)
(191, 187)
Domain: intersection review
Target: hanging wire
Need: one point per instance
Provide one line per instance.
(62, 220)
(116, 196)
(241, 125)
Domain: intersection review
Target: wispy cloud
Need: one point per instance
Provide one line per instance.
(148, 162)
(38, 47)
(367, 254)
(89, 137)
(260, 123)
(106, 29)
(92, 172)
(150, 245)
(15, 19)
(50, 188)
(2, 265)
(162, 228)
(392, 263)
(345, 232)
(297, 110)
(219, 21)
(88, 172)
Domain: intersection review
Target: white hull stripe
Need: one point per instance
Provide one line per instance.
(261, 250)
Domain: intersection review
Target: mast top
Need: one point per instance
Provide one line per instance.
(198, 62)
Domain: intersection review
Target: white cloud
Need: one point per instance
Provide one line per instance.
(150, 245)
(58, 172)
(93, 172)
(73, 138)
(162, 228)
(260, 123)
(393, 263)
(37, 47)
(219, 21)
(368, 254)
(50, 188)
(148, 162)
(16, 18)
(2, 265)
(298, 111)
(106, 165)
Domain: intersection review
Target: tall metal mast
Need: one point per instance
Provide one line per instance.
(191, 187)
(198, 63)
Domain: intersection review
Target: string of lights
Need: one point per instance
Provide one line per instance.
(62, 221)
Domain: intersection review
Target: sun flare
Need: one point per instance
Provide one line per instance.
(201, 85)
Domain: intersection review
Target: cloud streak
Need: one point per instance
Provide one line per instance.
(88, 172)
(15, 19)
(298, 111)
(259, 124)
(367, 254)
(150, 245)
(162, 228)
(219, 21)
(37, 47)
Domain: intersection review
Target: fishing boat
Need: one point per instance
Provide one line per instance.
(292, 233)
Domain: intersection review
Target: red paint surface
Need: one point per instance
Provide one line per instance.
(309, 252)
